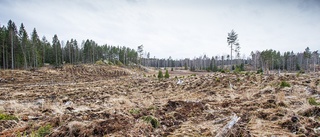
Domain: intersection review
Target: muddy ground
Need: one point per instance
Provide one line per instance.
(90, 100)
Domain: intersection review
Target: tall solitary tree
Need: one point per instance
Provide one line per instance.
(232, 40)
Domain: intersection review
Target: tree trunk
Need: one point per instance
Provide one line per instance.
(307, 67)
(3, 55)
(69, 47)
(33, 56)
(231, 58)
(12, 59)
(314, 65)
(24, 56)
(44, 54)
(56, 54)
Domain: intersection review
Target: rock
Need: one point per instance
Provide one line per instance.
(25, 118)
(294, 119)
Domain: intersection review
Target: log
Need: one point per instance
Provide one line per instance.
(228, 126)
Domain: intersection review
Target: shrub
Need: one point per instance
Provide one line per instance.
(312, 101)
(134, 111)
(247, 74)
(222, 71)
(217, 79)
(167, 74)
(171, 69)
(42, 131)
(160, 75)
(152, 108)
(153, 121)
(119, 63)
(298, 74)
(238, 79)
(284, 84)
(8, 117)
(110, 63)
(260, 71)
(100, 62)
(301, 72)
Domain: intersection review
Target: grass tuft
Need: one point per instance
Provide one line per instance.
(284, 84)
(8, 117)
(312, 101)
(153, 121)
(134, 111)
(42, 131)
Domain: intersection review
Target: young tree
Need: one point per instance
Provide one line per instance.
(166, 74)
(232, 39)
(160, 75)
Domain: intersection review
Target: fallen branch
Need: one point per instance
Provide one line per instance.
(228, 126)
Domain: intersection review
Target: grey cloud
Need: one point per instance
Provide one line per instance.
(179, 28)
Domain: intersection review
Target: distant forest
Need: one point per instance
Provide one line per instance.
(18, 50)
(306, 61)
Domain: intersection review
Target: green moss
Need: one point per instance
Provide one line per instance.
(134, 111)
(42, 131)
(312, 101)
(8, 117)
(100, 62)
(152, 108)
(284, 84)
(260, 71)
(217, 79)
(152, 120)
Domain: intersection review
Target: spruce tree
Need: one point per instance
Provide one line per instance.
(160, 75)
(167, 74)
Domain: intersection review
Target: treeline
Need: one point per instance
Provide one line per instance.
(19, 50)
(260, 60)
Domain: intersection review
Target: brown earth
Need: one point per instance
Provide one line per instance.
(91, 100)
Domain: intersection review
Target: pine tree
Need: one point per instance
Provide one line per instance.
(167, 74)
(232, 39)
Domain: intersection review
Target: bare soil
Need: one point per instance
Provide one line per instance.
(91, 100)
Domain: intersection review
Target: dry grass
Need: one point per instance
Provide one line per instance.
(86, 99)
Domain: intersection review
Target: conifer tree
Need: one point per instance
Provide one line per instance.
(167, 74)
(160, 75)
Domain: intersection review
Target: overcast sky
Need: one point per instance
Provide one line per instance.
(177, 28)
